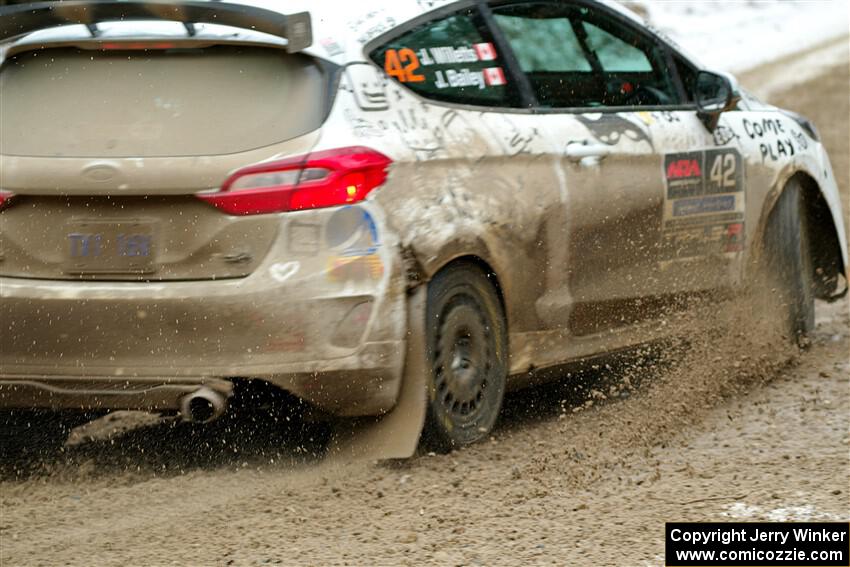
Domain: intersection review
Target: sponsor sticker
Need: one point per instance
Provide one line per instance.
(355, 268)
(704, 204)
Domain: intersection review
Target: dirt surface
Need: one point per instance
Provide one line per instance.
(728, 423)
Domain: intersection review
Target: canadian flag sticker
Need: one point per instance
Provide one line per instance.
(485, 51)
(494, 76)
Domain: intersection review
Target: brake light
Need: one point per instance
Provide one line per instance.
(317, 180)
(5, 197)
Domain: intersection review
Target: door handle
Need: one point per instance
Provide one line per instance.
(579, 150)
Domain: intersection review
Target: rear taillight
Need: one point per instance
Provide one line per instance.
(317, 180)
(5, 197)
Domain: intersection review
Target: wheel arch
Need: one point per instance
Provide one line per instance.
(486, 268)
(824, 242)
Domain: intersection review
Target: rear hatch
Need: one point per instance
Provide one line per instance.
(104, 146)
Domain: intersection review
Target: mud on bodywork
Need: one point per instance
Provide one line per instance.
(317, 305)
(322, 316)
(779, 148)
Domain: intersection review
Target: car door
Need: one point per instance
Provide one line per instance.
(472, 172)
(633, 155)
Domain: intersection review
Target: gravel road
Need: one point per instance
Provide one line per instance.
(728, 424)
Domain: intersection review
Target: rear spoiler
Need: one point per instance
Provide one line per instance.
(19, 20)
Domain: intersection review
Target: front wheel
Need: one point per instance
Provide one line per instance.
(467, 351)
(788, 263)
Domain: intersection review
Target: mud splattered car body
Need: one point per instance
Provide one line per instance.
(152, 240)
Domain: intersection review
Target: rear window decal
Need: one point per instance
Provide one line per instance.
(402, 64)
(450, 59)
(451, 78)
(454, 55)
(461, 78)
(704, 204)
(447, 55)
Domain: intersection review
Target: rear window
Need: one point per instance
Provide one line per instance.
(217, 100)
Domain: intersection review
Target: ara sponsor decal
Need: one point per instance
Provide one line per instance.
(707, 172)
(704, 204)
(684, 168)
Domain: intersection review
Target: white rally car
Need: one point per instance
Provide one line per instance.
(194, 192)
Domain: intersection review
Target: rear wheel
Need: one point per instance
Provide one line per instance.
(467, 351)
(788, 263)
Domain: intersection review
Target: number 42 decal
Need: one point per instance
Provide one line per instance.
(723, 171)
(402, 64)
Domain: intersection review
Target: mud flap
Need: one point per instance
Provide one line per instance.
(394, 435)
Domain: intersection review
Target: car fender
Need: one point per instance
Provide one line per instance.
(819, 172)
(777, 147)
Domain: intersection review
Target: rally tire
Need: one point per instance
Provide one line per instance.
(788, 262)
(466, 340)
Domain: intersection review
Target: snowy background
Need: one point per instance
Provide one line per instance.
(736, 35)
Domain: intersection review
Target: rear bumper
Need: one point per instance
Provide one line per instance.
(332, 336)
(154, 394)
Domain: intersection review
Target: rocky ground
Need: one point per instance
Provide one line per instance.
(726, 424)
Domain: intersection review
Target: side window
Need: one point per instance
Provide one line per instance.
(689, 77)
(451, 59)
(527, 35)
(615, 54)
(574, 57)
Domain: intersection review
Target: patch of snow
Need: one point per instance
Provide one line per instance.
(741, 510)
(738, 35)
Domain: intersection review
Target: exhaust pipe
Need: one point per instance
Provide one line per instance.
(203, 405)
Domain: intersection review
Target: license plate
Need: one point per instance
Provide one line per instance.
(110, 247)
